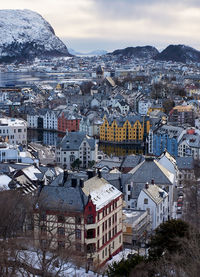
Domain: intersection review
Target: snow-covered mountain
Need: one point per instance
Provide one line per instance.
(25, 34)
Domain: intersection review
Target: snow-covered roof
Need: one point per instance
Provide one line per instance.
(4, 181)
(31, 171)
(155, 193)
(101, 191)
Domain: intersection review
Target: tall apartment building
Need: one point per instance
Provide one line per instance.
(13, 130)
(91, 211)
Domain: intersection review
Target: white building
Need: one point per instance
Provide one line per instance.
(32, 120)
(76, 145)
(155, 200)
(14, 130)
(50, 120)
(189, 145)
(143, 106)
(11, 153)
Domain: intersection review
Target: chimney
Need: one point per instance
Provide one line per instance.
(99, 174)
(81, 183)
(90, 174)
(65, 176)
(152, 182)
(74, 182)
(146, 185)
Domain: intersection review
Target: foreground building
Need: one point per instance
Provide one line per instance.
(88, 215)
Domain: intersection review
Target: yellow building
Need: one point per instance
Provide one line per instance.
(130, 129)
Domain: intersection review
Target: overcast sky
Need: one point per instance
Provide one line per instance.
(85, 25)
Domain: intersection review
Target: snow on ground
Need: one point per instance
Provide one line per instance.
(121, 255)
(67, 269)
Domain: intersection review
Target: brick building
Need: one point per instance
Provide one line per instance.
(68, 122)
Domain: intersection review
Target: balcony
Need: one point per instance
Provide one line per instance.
(92, 240)
(90, 226)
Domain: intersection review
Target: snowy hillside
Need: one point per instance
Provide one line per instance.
(25, 34)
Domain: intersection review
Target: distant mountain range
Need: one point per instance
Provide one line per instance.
(92, 53)
(25, 35)
(175, 53)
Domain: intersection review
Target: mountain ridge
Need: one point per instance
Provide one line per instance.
(25, 35)
(137, 51)
(179, 53)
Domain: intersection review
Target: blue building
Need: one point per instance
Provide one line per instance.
(164, 137)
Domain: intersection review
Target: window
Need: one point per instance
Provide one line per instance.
(78, 220)
(78, 234)
(103, 254)
(19, 130)
(103, 227)
(90, 219)
(90, 233)
(120, 239)
(145, 200)
(43, 229)
(98, 231)
(61, 218)
(91, 248)
(61, 244)
(43, 216)
(61, 231)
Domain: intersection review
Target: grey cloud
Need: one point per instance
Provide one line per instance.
(125, 9)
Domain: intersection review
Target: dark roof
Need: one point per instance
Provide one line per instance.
(185, 163)
(132, 119)
(150, 169)
(132, 161)
(63, 198)
(99, 70)
(73, 140)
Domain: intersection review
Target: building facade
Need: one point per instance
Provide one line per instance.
(13, 130)
(90, 212)
(155, 200)
(130, 129)
(68, 122)
(76, 145)
(182, 114)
